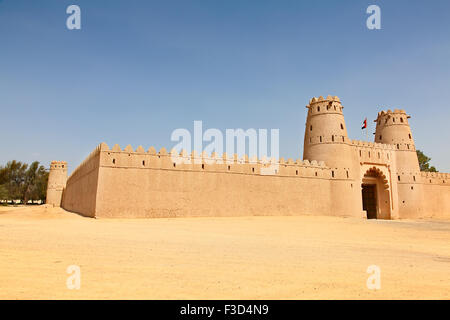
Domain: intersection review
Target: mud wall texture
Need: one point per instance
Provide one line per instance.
(80, 193)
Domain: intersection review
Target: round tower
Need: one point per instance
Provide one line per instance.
(326, 136)
(393, 128)
(57, 179)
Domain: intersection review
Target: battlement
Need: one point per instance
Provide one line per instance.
(58, 165)
(373, 145)
(396, 117)
(435, 177)
(203, 162)
(322, 105)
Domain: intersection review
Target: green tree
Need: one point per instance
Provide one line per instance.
(424, 162)
(20, 181)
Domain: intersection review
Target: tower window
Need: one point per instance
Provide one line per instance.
(320, 138)
(114, 161)
(296, 172)
(343, 139)
(143, 163)
(315, 173)
(332, 174)
(253, 170)
(332, 138)
(310, 128)
(401, 120)
(203, 166)
(398, 178)
(379, 156)
(369, 154)
(398, 146)
(393, 119)
(380, 137)
(414, 178)
(347, 174)
(409, 135)
(310, 140)
(174, 165)
(229, 168)
(318, 109)
(342, 126)
(407, 146)
(360, 153)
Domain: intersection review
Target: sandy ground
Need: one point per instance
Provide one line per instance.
(220, 258)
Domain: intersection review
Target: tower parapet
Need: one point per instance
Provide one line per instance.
(57, 179)
(393, 128)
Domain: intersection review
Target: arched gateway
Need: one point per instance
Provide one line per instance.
(376, 194)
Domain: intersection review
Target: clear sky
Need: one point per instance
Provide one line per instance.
(137, 70)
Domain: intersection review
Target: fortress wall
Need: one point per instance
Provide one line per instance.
(81, 189)
(148, 184)
(435, 195)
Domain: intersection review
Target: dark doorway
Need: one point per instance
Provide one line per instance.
(369, 197)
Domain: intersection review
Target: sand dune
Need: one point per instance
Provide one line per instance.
(220, 258)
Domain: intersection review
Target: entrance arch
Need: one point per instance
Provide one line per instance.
(376, 194)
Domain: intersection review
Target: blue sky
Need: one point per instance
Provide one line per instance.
(137, 70)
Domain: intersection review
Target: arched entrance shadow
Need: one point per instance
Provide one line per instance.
(376, 194)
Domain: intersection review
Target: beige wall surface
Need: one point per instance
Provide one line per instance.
(81, 190)
(136, 186)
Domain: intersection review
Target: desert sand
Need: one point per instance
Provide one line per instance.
(288, 257)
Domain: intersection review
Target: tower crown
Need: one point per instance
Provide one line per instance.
(324, 105)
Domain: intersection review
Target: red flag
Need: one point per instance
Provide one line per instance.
(364, 126)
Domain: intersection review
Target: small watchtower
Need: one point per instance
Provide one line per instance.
(393, 128)
(57, 180)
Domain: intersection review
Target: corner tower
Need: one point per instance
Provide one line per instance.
(393, 128)
(57, 179)
(326, 137)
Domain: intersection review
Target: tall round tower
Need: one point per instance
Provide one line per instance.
(326, 136)
(393, 128)
(57, 179)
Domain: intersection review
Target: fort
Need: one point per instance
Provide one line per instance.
(337, 176)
